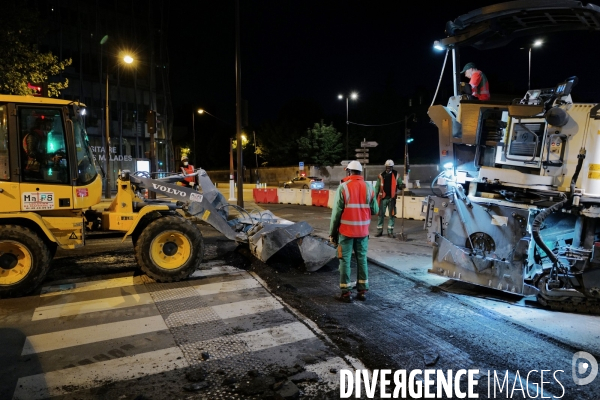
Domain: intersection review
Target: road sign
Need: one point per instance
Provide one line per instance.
(362, 155)
(368, 144)
(363, 160)
(301, 165)
(363, 150)
(345, 163)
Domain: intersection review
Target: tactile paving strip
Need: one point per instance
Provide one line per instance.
(171, 306)
(191, 317)
(217, 349)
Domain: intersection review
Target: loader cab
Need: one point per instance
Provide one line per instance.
(46, 163)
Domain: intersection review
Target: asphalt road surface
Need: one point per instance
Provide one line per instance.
(160, 347)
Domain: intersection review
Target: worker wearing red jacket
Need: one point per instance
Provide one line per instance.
(480, 87)
(187, 169)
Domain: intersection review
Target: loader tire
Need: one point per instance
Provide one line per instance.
(169, 249)
(24, 260)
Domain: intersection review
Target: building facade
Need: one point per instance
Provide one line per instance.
(97, 35)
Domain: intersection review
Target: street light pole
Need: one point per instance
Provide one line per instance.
(403, 237)
(231, 175)
(347, 127)
(353, 96)
(256, 156)
(194, 136)
(537, 43)
(107, 189)
(529, 78)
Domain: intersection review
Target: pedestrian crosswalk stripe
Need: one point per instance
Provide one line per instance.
(228, 286)
(112, 303)
(223, 311)
(56, 290)
(61, 382)
(247, 342)
(276, 336)
(91, 334)
(78, 287)
(254, 306)
(90, 306)
(221, 269)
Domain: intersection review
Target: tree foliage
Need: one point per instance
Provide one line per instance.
(321, 146)
(22, 62)
(279, 143)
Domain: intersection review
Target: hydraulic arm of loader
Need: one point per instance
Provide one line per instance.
(263, 232)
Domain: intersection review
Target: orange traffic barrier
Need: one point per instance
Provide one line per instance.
(320, 198)
(264, 195)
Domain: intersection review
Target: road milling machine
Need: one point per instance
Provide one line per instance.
(519, 206)
(50, 181)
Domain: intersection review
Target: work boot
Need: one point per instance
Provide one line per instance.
(390, 234)
(344, 297)
(379, 233)
(362, 295)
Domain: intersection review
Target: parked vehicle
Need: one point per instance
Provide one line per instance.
(305, 182)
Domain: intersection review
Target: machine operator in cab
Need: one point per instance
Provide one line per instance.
(186, 169)
(480, 87)
(35, 145)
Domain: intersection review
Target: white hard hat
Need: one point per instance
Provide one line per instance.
(389, 163)
(354, 165)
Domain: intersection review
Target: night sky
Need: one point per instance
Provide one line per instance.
(317, 49)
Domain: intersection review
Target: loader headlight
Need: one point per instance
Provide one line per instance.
(448, 166)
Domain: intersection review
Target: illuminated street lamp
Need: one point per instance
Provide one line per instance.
(353, 96)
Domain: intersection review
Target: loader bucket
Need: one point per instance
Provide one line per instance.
(315, 252)
(267, 239)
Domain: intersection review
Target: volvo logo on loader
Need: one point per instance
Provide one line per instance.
(169, 190)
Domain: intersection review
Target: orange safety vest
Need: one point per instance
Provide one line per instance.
(356, 216)
(189, 170)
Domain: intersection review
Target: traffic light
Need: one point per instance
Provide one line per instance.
(39, 89)
(409, 139)
(151, 119)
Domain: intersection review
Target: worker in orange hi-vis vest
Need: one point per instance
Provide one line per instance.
(187, 169)
(353, 206)
(387, 186)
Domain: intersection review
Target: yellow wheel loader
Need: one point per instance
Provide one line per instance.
(49, 182)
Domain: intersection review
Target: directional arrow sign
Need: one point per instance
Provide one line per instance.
(362, 150)
(362, 155)
(368, 144)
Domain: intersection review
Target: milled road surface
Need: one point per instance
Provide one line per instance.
(403, 325)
